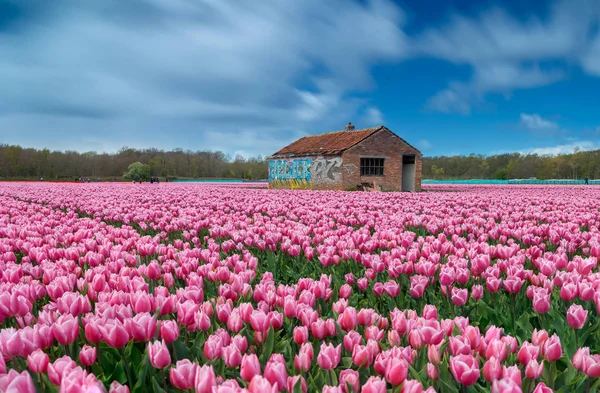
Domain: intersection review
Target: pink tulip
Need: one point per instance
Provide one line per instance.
(430, 312)
(292, 381)
(505, 386)
(303, 360)
(349, 381)
(60, 367)
(13, 382)
(205, 379)
(411, 386)
(275, 371)
(261, 385)
(551, 349)
(432, 372)
(576, 316)
(37, 362)
(351, 339)
(348, 319)
(250, 367)
(513, 373)
(231, 355)
(477, 292)
(213, 347)
(542, 388)
(66, 329)
(169, 330)
(396, 371)
(541, 303)
(158, 354)
(115, 334)
(465, 369)
(533, 370)
(492, 369)
(528, 352)
(374, 385)
(183, 375)
(580, 358)
(329, 356)
(87, 355)
(539, 337)
(362, 356)
(300, 334)
(459, 296)
(116, 387)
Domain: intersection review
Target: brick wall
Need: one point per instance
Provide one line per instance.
(381, 144)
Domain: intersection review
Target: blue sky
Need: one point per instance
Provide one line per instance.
(451, 77)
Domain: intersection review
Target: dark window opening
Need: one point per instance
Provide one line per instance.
(371, 166)
(408, 159)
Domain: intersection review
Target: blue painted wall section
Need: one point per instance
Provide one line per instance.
(294, 173)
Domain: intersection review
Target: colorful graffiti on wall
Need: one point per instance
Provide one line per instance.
(290, 173)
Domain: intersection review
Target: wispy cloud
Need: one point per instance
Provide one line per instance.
(534, 122)
(424, 144)
(507, 54)
(183, 67)
(567, 148)
(373, 117)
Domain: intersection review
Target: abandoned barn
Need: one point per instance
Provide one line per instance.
(369, 158)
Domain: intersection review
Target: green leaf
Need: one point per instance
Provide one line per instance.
(346, 362)
(268, 346)
(142, 372)
(119, 374)
(49, 387)
(333, 377)
(182, 351)
(156, 386)
(297, 386)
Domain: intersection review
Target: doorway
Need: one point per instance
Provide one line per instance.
(409, 171)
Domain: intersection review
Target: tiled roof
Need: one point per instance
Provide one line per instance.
(330, 143)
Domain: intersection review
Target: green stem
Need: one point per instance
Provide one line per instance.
(41, 382)
(330, 378)
(514, 310)
(164, 378)
(127, 370)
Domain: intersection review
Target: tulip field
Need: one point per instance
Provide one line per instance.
(215, 288)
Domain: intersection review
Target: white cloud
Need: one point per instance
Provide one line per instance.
(449, 101)
(534, 122)
(567, 148)
(506, 54)
(185, 67)
(424, 144)
(373, 117)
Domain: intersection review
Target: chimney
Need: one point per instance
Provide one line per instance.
(349, 127)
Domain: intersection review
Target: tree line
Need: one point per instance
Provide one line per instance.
(17, 162)
(579, 165)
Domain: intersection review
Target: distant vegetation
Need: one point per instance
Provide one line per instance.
(26, 163)
(514, 166)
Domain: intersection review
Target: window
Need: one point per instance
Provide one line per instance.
(371, 166)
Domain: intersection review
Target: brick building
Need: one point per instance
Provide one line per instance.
(343, 160)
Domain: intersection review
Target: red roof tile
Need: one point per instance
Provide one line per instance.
(330, 143)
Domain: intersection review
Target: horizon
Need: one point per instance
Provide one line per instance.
(230, 158)
(451, 77)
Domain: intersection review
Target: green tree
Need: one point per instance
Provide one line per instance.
(137, 171)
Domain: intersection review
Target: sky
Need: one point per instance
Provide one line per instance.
(249, 77)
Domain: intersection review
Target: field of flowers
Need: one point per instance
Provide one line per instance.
(205, 288)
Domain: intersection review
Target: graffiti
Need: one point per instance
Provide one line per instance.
(290, 184)
(296, 169)
(325, 170)
(301, 173)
